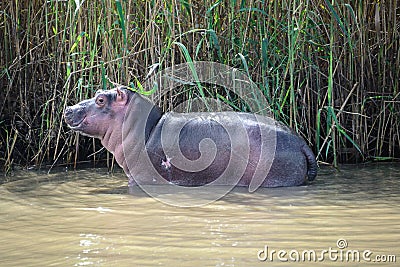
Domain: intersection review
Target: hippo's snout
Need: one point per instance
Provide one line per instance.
(73, 116)
(68, 112)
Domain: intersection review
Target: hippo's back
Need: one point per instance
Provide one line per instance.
(240, 135)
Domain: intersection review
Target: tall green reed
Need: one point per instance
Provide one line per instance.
(328, 68)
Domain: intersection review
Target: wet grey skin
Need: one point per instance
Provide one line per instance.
(130, 126)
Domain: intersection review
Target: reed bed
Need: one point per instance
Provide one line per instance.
(329, 69)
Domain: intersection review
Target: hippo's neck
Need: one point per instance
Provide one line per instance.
(112, 140)
(131, 129)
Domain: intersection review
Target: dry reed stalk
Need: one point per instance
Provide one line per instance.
(306, 56)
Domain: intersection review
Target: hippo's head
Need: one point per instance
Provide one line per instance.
(96, 116)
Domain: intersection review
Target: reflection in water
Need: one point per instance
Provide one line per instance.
(88, 218)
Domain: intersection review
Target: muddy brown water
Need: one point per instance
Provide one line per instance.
(88, 218)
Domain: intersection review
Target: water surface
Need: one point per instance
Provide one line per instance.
(88, 218)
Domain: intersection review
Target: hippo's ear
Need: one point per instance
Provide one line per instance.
(122, 97)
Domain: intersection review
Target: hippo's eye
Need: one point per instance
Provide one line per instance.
(100, 101)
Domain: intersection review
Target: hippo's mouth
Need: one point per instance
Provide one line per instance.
(77, 126)
(74, 125)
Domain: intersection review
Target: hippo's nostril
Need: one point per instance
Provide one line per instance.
(68, 110)
(68, 115)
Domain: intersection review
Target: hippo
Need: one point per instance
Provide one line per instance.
(192, 149)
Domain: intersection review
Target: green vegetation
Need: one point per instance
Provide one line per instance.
(330, 69)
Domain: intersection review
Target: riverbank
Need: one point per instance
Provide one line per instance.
(329, 69)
